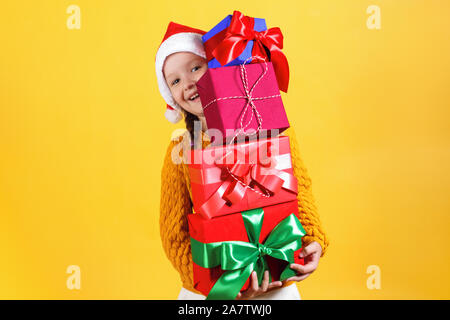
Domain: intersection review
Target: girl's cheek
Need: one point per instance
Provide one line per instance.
(179, 97)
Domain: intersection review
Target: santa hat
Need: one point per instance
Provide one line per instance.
(178, 38)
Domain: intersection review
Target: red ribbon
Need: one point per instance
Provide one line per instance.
(240, 32)
(238, 174)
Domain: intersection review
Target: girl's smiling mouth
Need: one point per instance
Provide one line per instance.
(194, 97)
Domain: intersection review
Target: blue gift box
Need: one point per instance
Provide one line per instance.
(260, 25)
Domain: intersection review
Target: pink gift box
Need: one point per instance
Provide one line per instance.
(224, 100)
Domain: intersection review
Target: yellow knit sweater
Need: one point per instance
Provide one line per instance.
(176, 203)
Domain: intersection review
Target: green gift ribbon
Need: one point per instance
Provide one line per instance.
(240, 258)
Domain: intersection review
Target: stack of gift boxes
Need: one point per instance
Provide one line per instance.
(243, 188)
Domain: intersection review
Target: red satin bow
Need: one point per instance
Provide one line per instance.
(240, 32)
(238, 174)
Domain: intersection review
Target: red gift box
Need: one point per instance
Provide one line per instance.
(243, 97)
(231, 228)
(240, 177)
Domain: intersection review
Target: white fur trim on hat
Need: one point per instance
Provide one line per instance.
(179, 42)
(173, 115)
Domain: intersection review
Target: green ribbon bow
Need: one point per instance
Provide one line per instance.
(240, 258)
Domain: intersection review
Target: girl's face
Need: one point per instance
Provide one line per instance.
(182, 71)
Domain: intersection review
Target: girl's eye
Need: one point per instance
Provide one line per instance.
(174, 82)
(196, 68)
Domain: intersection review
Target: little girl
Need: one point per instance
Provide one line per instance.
(180, 63)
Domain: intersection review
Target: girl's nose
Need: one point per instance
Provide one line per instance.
(189, 84)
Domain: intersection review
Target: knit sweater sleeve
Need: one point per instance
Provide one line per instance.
(175, 204)
(309, 216)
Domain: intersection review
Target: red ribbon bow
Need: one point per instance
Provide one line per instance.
(240, 32)
(239, 174)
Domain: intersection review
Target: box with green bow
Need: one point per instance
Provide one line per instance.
(226, 249)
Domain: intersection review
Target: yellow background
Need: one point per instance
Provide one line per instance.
(83, 135)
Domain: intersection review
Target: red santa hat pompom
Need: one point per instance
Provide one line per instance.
(178, 38)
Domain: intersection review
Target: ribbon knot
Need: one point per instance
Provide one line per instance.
(257, 36)
(263, 250)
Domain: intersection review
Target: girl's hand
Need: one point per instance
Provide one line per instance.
(255, 290)
(311, 254)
